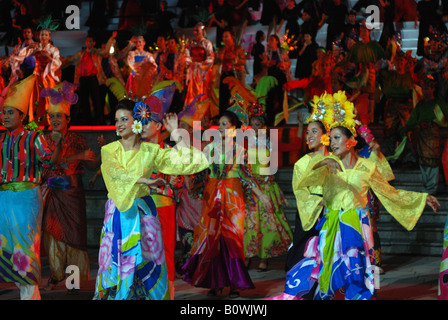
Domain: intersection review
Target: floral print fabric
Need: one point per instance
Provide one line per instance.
(267, 233)
(340, 257)
(131, 257)
(20, 237)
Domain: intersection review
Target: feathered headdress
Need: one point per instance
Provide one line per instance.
(139, 29)
(343, 113)
(61, 97)
(322, 110)
(47, 24)
(203, 16)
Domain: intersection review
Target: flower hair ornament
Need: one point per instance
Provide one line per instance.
(142, 116)
(255, 110)
(325, 139)
(366, 134)
(351, 143)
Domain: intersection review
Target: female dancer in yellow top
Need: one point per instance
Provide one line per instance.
(131, 256)
(342, 254)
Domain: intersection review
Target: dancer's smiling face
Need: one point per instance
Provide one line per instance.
(313, 134)
(45, 37)
(123, 122)
(59, 121)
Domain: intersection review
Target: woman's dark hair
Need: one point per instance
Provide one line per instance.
(126, 104)
(261, 118)
(346, 132)
(232, 117)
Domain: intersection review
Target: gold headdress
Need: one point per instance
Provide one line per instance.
(20, 94)
(322, 110)
(343, 113)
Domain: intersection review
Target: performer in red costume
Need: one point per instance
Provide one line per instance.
(199, 60)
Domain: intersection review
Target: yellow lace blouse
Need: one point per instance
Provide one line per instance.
(348, 189)
(121, 169)
(307, 197)
(383, 165)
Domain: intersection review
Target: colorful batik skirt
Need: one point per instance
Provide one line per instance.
(341, 257)
(217, 255)
(131, 256)
(20, 236)
(267, 233)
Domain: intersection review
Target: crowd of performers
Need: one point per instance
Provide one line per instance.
(223, 212)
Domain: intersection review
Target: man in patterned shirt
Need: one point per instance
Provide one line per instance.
(64, 221)
(22, 154)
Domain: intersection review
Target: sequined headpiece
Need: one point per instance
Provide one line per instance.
(321, 110)
(343, 113)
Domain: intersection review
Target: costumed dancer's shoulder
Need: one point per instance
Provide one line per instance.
(112, 147)
(303, 161)
(367, 165)
(150, 147)
(33, 134)
(308, 161)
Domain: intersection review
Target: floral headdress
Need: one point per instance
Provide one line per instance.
(60, 97)
(142, 116)
(343, 113)
(255, 110)
(322, 112)
(366, 134)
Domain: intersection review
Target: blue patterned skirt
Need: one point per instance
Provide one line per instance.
(340, 257)
(131, 257)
